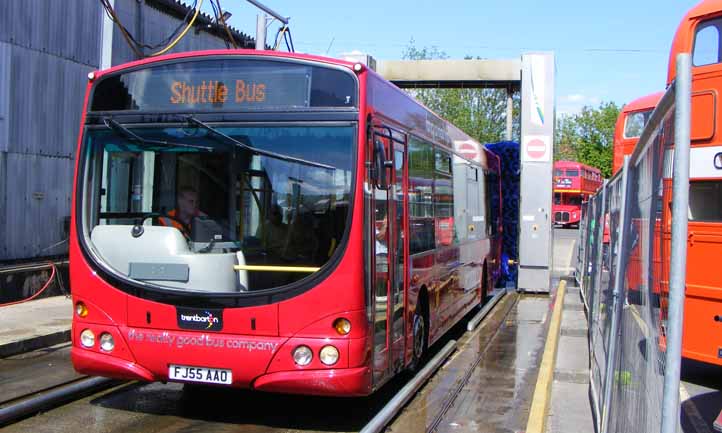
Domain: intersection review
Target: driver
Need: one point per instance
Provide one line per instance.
(186, 209)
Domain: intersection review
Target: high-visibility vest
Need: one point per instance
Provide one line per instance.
(173, 222)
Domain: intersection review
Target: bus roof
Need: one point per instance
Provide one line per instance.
(643, 103)
(682, 42)
(223, 52)
(574, 164)
(706, 7)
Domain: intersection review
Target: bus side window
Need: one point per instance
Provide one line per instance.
(705, 201)
(444, 200)
(421, 207)
(491, 203)
(706, 49)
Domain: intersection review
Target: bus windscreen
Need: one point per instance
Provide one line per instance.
(222, 84)
(191, 208)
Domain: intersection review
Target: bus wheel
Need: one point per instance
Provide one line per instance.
(420, 326)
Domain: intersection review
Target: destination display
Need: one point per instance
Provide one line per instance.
(563, 182)
(226, 85)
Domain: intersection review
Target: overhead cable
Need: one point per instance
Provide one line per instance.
(183, 33)
(225, 25)
(169, 42)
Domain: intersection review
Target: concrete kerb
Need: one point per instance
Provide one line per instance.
(34, 343)
(35, 324)
(542, 392)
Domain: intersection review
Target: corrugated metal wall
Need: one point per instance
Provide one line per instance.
(47, 48)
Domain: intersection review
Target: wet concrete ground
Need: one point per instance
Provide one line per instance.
(172, 407)
(488, 384)
(498, 395)
(35, 371)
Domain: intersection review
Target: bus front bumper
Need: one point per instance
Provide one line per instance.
(98, 364)
(345, 382)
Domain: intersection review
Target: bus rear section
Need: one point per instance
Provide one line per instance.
(630, 124)
(698, 33)
(228, 219)
(573, 184)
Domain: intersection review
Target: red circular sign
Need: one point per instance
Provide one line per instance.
(468, 151)
(536, 148)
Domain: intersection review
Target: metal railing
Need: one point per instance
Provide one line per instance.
(632, 281)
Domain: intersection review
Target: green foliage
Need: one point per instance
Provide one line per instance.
(481, 113)
(588, 137)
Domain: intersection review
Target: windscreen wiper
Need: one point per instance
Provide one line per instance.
(252, 149)
(131, 136)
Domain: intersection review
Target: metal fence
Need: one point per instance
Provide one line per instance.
(632, 282)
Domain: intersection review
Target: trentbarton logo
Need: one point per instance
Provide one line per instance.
(200, 319)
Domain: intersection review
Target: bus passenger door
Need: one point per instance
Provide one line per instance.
(389, 263)
(397, 301)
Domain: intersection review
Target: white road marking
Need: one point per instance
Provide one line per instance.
(685, 401)
(571, 253)
(564, 248)
(689, 408)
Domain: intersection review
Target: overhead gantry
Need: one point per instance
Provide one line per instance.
(534, 75)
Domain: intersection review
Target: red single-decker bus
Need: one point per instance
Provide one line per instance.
(272, 221)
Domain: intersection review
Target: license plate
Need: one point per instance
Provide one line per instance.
(187, 373)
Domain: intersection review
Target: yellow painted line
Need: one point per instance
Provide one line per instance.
(265, 268)
(543, 390)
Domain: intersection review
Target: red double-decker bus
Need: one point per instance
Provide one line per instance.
(574, 182)
(272, 221)
(698, 34)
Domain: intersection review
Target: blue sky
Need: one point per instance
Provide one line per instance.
(609, 50)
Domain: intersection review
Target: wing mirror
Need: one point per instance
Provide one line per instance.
(381, 165)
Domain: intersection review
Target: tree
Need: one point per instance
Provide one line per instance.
(588, 137)
(479, 112)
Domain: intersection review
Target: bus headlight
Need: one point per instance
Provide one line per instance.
(87, 338)
(302, 355)
(106, 342)
(328, 355)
